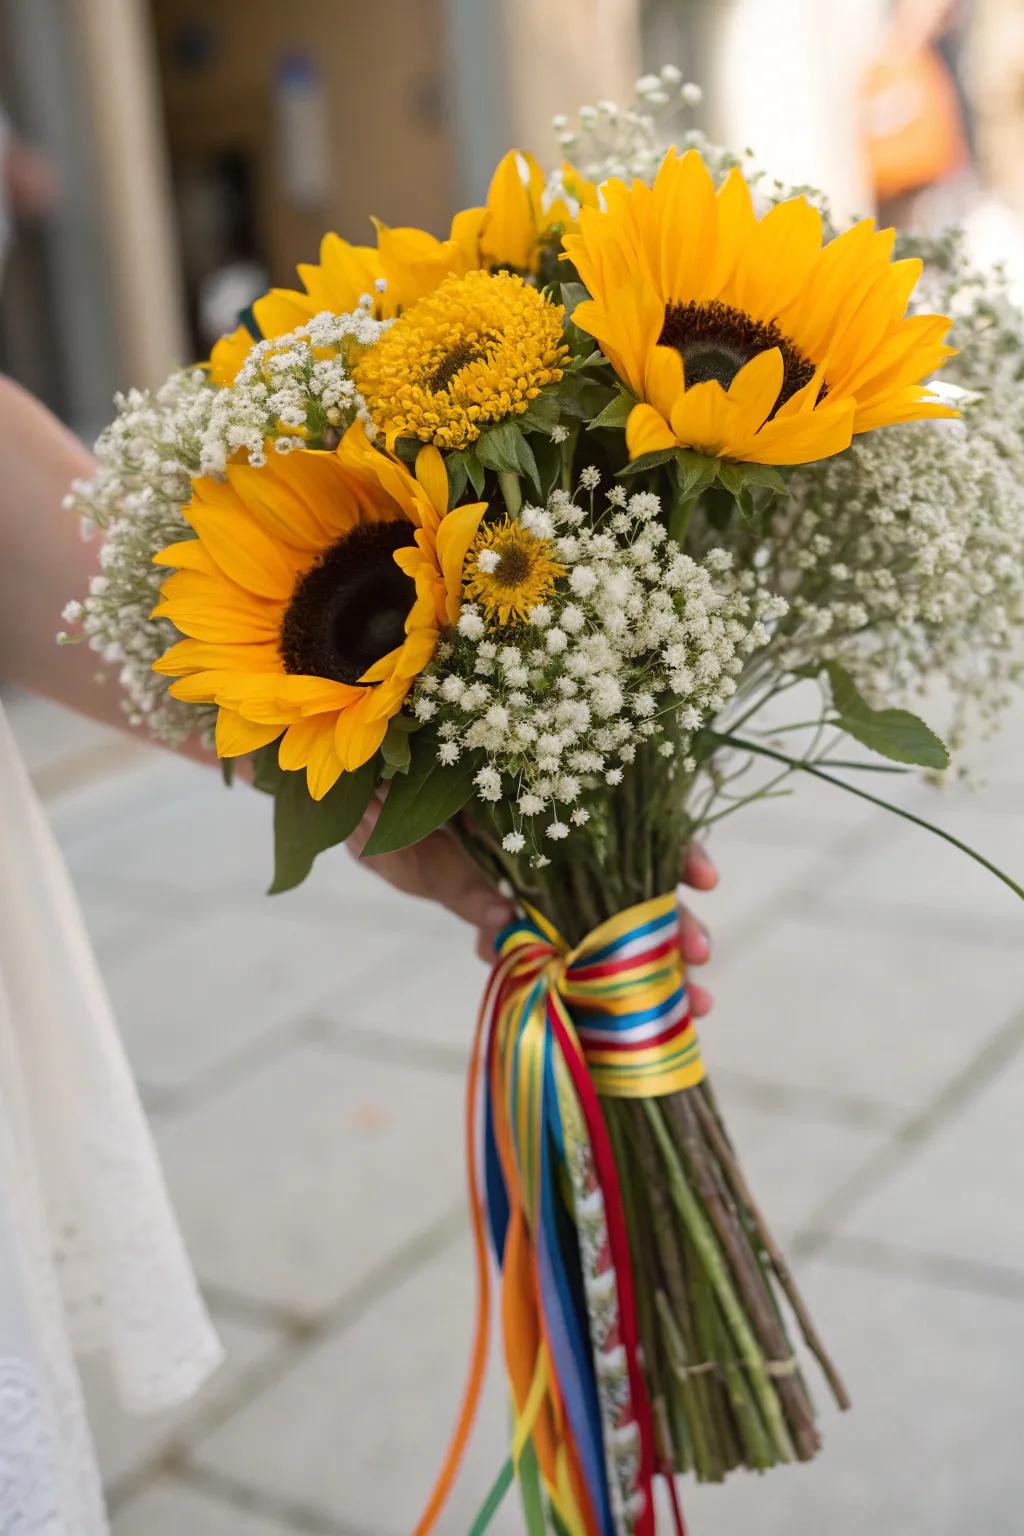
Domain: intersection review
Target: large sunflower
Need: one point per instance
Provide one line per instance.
(747, 338)
(511, 232)
(312, 597)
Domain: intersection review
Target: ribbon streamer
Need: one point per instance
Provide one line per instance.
(558, 1030)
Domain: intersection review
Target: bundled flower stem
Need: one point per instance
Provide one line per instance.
(723, 1375)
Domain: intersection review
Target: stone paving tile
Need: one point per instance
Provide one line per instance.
(91, 813)
(301, 1178)
(48, 735)
(875, 1014)
(298, 1179)
(927, 1451)
(177, 827)
(755, 879)
(125, 1443)
(960, 1194)
(117, 924)
(359, 1428)
(793, 1162)
(170, 1508)
(199, 992)
(931, 1446)
(792, 1166)
(916, 874)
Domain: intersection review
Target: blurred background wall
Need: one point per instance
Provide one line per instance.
(203, 146)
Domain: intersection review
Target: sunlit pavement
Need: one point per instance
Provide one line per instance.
(302, 1060)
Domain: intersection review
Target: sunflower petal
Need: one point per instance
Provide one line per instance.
(235, 736)
(509, 237)
(246, 555)
(433, 477)
(200, 656)
(228, 355)
(186, 555)
(323, 766)
(455, 535)
(297, 742)
(647, 432)
(755, 390)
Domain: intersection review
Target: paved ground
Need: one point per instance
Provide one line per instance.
(867, 1043)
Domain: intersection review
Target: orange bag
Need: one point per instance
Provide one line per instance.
(912, 126)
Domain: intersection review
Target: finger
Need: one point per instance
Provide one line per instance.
(451, 878)
(357, 840)
(701, 1001)
(693, 938)
(698, 870)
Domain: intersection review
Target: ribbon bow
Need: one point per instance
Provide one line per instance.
(558, 1029)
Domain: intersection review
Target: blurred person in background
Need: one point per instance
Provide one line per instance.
(916, 116)
(29, 188)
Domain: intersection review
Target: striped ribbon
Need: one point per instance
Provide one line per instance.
(559, 1029)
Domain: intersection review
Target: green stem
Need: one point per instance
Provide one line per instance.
(744, 745)
(711, 1258)
(511, 490)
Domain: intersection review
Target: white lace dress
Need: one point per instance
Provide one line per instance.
(90, 1256)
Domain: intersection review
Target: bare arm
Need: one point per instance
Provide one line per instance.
(43, 561)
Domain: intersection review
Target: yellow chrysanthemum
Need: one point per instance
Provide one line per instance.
(312, 597)
(509, 571)
(478, 350)
(510, 232)
(747, 338)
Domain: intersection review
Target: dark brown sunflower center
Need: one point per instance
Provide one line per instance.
(350, 609)
(513, 568)
(452, 363)
(715, 341)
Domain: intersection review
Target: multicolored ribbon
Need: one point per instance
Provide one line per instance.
(558, 1030)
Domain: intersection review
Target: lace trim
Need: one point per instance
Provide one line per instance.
(41, 1492)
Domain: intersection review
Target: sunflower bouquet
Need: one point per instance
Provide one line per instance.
(526, 532)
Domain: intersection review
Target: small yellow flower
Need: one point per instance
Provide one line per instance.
(509, 571)
(476, 351)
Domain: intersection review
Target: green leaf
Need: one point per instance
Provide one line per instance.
(645, 462)
(731, 476)
(695, 471)
(422, 800)
(227, 770)
(498, 448)
(267, 773)
(304, 827)
(505, 450)
(583, 399)
(893, 733)
(407, 449)
(616, 413)
(528, 464)
(571, 294)
(541, 414)
(549, 464)
(766, 475)
(465, 460)
(457, 479)
(396, 749)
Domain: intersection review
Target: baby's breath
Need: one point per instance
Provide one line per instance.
(636, 638)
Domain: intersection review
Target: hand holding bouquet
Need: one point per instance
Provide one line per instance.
(525, 532)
